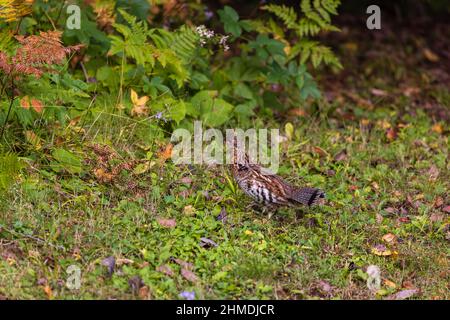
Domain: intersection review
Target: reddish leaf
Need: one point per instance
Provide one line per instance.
(189, 275)
(404, 294)
(167, 223)
(167, 270)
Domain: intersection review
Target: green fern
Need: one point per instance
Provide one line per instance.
(133, 42)
(183, 42)
(286, 14)
(6, 40)
(10, 166)
(316, 17)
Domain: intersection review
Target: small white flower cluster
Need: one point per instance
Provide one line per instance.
(204, 34)
(223, 43)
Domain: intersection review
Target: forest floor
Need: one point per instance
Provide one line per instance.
(377, 144)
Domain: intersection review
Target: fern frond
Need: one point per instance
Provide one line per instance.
(286, 14)
(133, 42)
(6, 40)
(185, 43)
(12, 10)
(316, 53)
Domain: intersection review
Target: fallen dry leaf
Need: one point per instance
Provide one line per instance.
(139, 104)
(389, 283)
(437, 128)
(341, 155)
(446, 209)
(390, 210)
(48, 291)
(189, 275)
(430, 55)
(433, 173)
(166, 269)
(403, 220)
(189, 210)
(299, 112)
(391, 134)
(144, 292)
(166, 153)
(381, 250)
(168, 223)
(438, 202)
(437, 217)
(186, 180)
(389, 238)
(102, 175)
(410, 91)
(184, 264)
(122, 261)
(378, 92)
(404, 294)
(321, 152)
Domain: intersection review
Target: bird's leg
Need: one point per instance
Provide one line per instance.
(255, 206)
(270, 209)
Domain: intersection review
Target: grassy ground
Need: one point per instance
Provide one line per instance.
(382, 161)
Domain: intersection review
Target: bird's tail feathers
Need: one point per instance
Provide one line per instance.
(307, 196)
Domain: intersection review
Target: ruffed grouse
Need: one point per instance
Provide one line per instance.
(267, 188)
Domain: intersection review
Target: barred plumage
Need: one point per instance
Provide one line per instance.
(270, 189)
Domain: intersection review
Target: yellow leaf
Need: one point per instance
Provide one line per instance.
(139, 110)
(381, 250)
(139, 104)
(248, 232)
(142, 100)
(102, 175)
(289, 129)
(134, 97)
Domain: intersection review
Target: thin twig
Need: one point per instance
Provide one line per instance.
(12, 98)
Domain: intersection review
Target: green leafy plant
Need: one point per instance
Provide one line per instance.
(316, 18)
(10, 166)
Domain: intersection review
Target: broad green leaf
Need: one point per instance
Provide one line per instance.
(67, 160)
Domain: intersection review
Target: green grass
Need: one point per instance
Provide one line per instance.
(51, 220)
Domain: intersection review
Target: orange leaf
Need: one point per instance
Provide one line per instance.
(166, 153)
(37, 105)
(26, 103)
(48, 291)
(391, 134)
(430, 55)
(437, 128)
